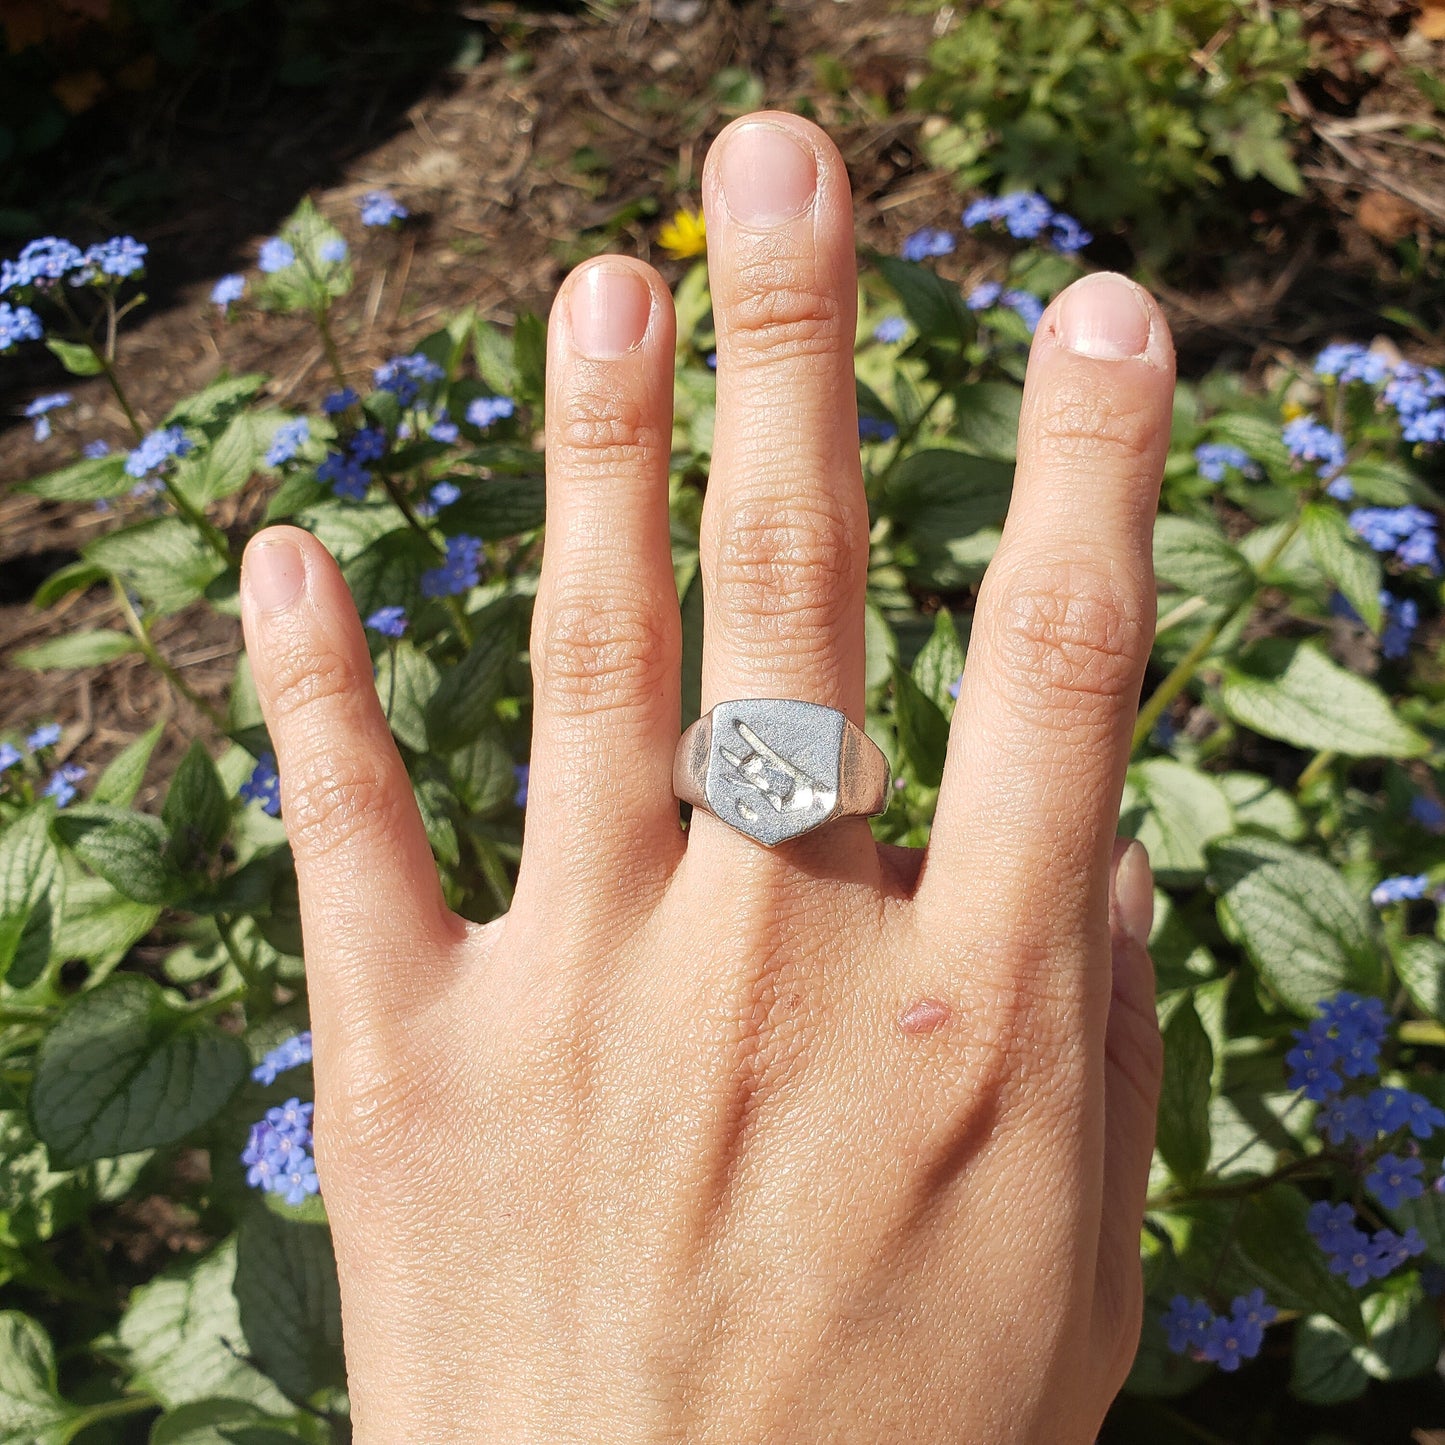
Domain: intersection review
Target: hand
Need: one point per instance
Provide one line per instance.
(701, 1141)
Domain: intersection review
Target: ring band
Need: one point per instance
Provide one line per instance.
(774, 768)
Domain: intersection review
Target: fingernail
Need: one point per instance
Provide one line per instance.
(1134, 893)
(1105, 316)
(608, 307)
(275, 573)
(768, 175)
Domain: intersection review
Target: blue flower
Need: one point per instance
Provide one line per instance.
(926, 242)
(1226, 1344)
(1412, 389)
(277, 1153)
(1409, 532)
(276, 255)
(1313, 1062)
(345, 475)
(876, 429)
(1402, 617)
(120, 256)
(333, 403)
(1187, 1322)
(710, 361)
(444, 429)
(485, 411)
(1402, 888)
(291, 1054)
(1428, 812)
(289, 438)
(333, 251)
(47, 258)
(1215, 458)
(62, 783)
(522, 773)
(444, 494)
(404, 376)
(157, 450)
(1349, 361)
(389, 621)
(264, 785)
(9, 756)
(1425, 426)
(984, 295)
(1393, 1180)
(45, 736)
(1067, 234)
(1025, 215)
(95, 450)
(18, 323)
(37, 409)
(227, 290)
(459, 573)
(1025, 305)
(890, 329)
(381, 208)
(368, 444)
(1309, 440)
(1346, 1117)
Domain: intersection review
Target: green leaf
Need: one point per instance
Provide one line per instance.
(77, 577)
(1420, 963)
(941, 498)
(125, 772)
(1175, 812)
(92, 479)
(127, 849)
(77, 359)
(78, 649)
(217, 401)
(406, 681)
(1257, 803)
(310, 283)
(1404, 1342)
(223, 1422)
(1324, 1369)
(492, 352)
(181, 1336)
(986, 420)
(165, 560)
(32, 898)
(482, 775)
(99, 925)
(299, 492)
(223, 467)
(461, 708)
(922, 729)
(290, 1304)
(1196, 558)
(1308, 932)
(124, 1068)
(1257, 435)
(1183, 1132)
(497, 506)
(529, 356)
(31, 1410)
(197, 809)
(933, 305)
(1293, 692)
(939, 663)
(1345, 560)
(387, 572)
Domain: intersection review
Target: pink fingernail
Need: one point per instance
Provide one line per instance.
(1105, 316)
(275, 573)
(768, 175)
(1134, 893)
(608, 306)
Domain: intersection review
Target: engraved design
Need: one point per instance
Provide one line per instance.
(786, 788)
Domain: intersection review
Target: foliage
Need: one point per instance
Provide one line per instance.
(1124, 112)
(1286, 760)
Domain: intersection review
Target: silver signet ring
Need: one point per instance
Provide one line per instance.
(774, 768)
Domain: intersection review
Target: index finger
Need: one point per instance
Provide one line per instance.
(1063, 628)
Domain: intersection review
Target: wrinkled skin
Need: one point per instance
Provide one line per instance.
(705, 1142)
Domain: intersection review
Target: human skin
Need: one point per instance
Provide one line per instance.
(701, 1141)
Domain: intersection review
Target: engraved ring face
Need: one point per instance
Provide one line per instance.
(773, 768)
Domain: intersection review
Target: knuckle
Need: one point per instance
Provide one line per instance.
(587, 656)
(769, 314)
(606, 432)
(789, 568)
(1095, 429)
(334, 796)
(309, 685)
(1067, 630)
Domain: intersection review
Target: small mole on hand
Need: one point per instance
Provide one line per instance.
(927, 1016)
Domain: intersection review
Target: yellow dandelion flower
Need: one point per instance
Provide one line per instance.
(685, 235)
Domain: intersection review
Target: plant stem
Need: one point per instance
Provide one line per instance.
(1182, 673)
(112, 1409)
(255, 984)
(398, 498)
(19, 1013)
(148, 649)
(1421, 1031)
(1296, 1169)
(1314, 768)
(214, 537)
(322, 316)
